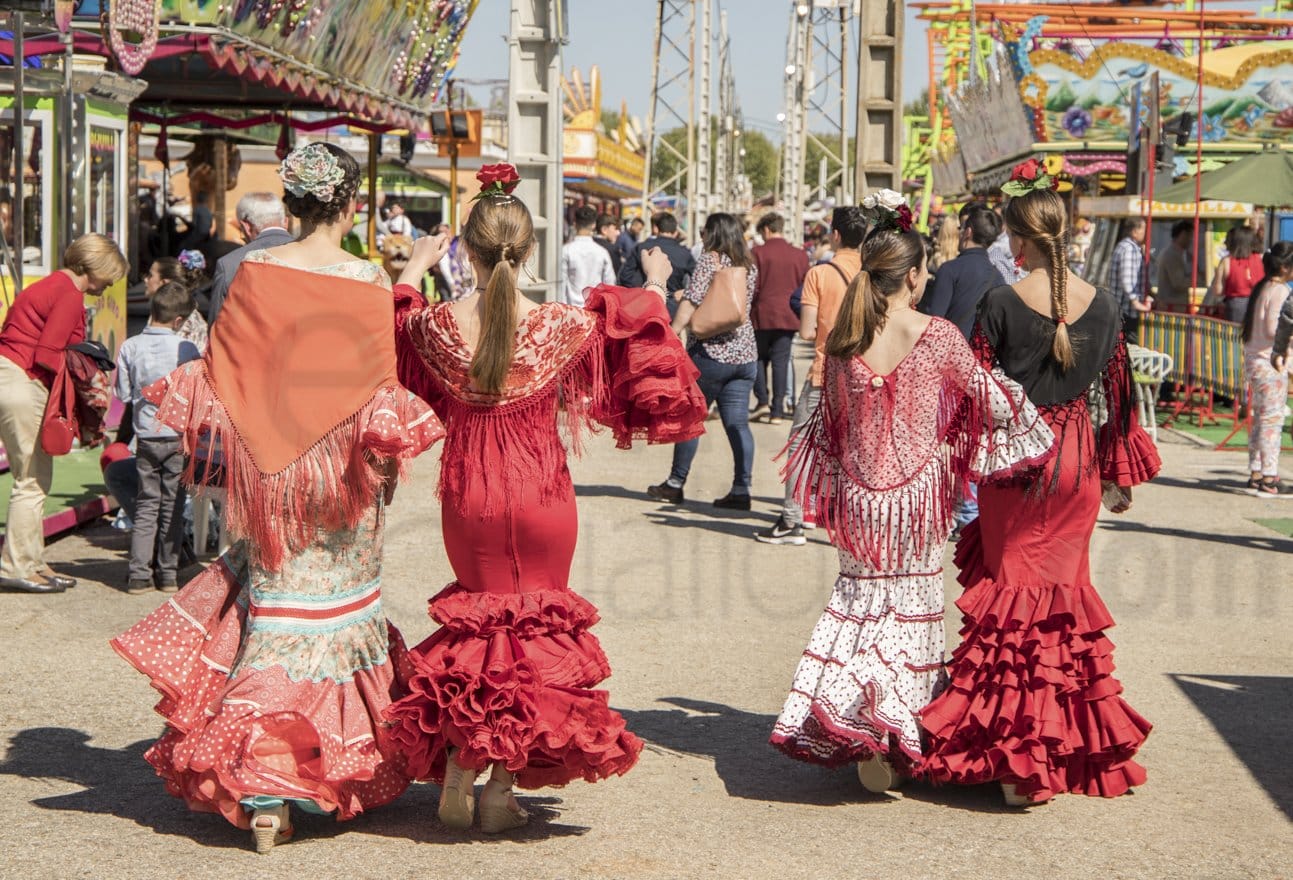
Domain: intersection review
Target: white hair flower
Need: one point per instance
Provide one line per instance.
(313, 170)
(869, 203)
(887, 198)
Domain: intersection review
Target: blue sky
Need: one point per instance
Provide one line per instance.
(617, 36)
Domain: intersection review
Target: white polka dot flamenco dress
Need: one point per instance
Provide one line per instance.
(883, 461)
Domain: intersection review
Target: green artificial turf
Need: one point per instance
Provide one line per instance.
(77, 478)
(1283, 525)
(1214, 433)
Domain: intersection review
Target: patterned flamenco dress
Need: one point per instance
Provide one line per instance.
(276, 663)
(507, 678)
(882, 459)
(1032, 700)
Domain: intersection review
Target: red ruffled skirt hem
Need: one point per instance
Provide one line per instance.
(259, 733)
(1033, 699)
(506, 680)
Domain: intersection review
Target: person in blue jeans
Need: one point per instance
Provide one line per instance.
(728, 364)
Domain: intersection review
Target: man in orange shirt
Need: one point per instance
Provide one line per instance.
(824, 288)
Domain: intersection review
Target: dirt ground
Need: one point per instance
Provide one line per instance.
(703, 627)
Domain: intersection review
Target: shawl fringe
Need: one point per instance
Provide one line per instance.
(987, 431)
(327, 487)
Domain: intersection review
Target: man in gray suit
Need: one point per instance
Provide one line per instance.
(263, 223)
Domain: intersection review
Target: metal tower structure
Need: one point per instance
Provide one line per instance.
(817, 104)
(827, 95)
(731, 186)
(534, 123)
(794, 117)
(673, 100)
(879, 106)
(723, 150)
(699, 207)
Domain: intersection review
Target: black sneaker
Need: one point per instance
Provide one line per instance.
(733, 502)
(781, 532)
(137, 586)
(666, 493)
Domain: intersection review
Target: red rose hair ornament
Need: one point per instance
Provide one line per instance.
(497, 180)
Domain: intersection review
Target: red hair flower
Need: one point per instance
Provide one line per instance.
(497, 180)
(1028, 176)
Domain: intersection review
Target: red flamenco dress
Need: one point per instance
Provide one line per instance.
(1032, 699)
(507, 678)
(276, 663)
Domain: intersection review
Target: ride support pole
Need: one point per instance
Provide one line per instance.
(374, 145)
(17, 214)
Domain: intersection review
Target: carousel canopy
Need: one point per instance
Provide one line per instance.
(385, 62)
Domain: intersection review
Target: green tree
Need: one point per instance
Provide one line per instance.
(813, 155)
(666, 164)
(760, 161)
(610, 121)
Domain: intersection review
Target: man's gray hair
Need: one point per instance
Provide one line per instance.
(261, 210)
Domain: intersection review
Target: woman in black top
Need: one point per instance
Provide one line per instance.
(1032, 702)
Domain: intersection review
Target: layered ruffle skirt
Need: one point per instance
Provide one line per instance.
(507, 680)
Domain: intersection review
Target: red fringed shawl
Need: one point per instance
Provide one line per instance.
(883, 456)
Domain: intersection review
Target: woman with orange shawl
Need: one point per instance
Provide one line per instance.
(276, 663)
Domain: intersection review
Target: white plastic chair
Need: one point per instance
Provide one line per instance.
(203, 504)
(1149, 369)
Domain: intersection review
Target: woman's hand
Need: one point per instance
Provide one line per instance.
(427, 251)
(656, 267)
(1124, 502)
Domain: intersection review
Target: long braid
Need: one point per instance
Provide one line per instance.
(1062, 347)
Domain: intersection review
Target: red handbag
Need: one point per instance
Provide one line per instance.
(58, 426)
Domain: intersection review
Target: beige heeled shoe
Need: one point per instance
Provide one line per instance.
(498, 810)
(458, 796)
(1010, 792)
(270, 827)
(877, 775)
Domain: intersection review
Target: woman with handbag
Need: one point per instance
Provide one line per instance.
(45, 319)
(716, 309)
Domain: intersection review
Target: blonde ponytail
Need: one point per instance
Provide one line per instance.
(497, 345)
(1040, 216)
(500, 235)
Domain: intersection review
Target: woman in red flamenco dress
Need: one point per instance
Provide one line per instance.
(505, 682)
(1032, 701)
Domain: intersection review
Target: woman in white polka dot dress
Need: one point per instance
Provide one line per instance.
(276, 663)
(907, 415)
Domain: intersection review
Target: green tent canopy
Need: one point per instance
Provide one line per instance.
(1264, 179)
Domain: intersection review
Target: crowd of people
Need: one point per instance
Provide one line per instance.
(956, 405)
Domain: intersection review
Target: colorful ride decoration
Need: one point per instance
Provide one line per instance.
(1076, 66)
(596, 162)
(1248, 98)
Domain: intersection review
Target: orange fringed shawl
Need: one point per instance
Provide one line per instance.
(294, 374)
